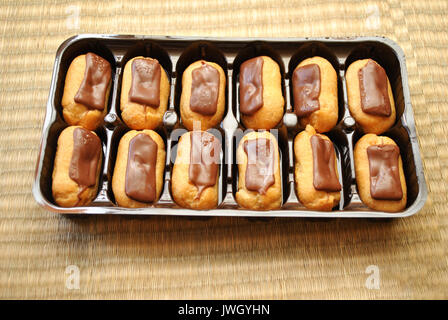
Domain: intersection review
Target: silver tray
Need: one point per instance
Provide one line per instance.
(175, 54)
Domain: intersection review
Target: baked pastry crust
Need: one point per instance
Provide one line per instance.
(363, 175)
(119, 176)
(138, 116)
(188, 116)
(77, 114)
(369, 123)
(251, 199)
(303, 174)
(64, 189)
(271, 113)
(324, 119)
(184, 192)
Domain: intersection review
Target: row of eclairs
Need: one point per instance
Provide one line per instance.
(140, 160)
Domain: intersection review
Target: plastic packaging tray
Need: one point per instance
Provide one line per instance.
(175, 54)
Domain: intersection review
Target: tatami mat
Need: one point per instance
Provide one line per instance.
(170, 257)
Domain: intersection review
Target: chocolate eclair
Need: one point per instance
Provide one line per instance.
(315, 174)
(259, 182)
(379, 173)
(261, 102)
(86, 91)
(139, 169)
(202, 102)
(145, 91)
(76, 167)
(370, 98)
(315, 92)
(194, 181)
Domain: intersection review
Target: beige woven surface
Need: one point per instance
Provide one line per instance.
(169, 257)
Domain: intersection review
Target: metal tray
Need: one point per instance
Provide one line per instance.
(175, 54)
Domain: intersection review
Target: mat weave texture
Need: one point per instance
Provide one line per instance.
(168, 257)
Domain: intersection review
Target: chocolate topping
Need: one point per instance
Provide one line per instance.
(324, 173)
(306, 89)
(85, 156)
(145, 84)
(373, 90)
(140, 178)
(251, 86)
(204, 90)
(385, 181)
(260, 164)
(204, 159)
(93, 88)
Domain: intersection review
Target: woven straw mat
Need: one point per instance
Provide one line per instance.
(169, 257)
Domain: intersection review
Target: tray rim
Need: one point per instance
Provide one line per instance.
(409, 125)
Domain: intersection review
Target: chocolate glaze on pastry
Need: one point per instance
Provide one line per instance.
(204, 90)
(260, 164)
(145, 84)
(306, 89)
(204, 159)
(384, 175)
(373, 89)
(85, 157)
(141, 169)
(324, 173)
(93, 88)
(251, 86)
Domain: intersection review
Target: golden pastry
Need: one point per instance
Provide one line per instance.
(259, 182)
(370, 97)
(315, 91)
(194, 183)
(261, 98)
(379, 173)
(138, 174)
(76, 167)
(316, 173)
(86, 91)
(145, 91)
(202, 102)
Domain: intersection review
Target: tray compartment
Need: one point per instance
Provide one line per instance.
(45, 179)
(310, 50)
(282, 140)
(253, 50)
(147, 49)
(65, 58)
(388, 59)
(222, 171)
(200, 50)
